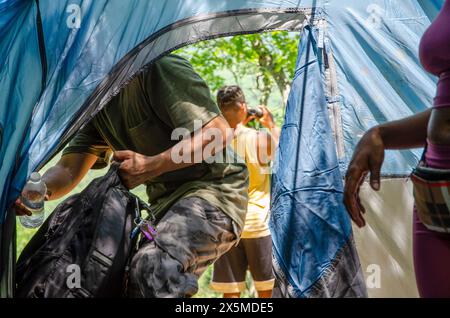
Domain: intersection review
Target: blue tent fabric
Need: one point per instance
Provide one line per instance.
(92, 49)
(380, 75)
(368, 67)
(307, 194)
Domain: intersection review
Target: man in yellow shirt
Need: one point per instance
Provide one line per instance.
(254, 251)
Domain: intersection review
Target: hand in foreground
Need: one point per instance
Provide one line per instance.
(21, 210)
(367, 158)
(135, 169)
(267, 118)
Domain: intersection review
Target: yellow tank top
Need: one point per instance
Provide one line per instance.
(257, 219)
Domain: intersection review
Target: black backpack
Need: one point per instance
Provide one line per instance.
(89, 235)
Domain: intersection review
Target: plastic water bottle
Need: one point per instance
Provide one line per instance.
(32, 197)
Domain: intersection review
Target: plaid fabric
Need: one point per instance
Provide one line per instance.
(432, 198)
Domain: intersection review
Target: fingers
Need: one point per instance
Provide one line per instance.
(127, 174)
(125, 177)
(266, 112)
(128, 184)
(265, 109)
(352, 202)
(122, 155)
(129, 181)
(20, 209)
(375, 168)
(249, 119)
(360, 205)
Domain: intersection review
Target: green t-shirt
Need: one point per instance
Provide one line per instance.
(142, 117)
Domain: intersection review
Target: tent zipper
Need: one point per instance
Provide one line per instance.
(332, 89)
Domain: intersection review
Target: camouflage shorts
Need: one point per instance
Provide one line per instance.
(191, 236)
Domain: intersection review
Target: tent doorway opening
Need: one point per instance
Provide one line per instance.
(173, 36)
(262, 64)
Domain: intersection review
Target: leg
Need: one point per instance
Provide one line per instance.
(259, 254)
(191, 236)
(265, 294)
(431, 261)
(229, 273)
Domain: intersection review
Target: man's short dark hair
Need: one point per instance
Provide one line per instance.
(229, 96)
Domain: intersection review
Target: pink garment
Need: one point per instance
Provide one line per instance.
(431, 261)
(438, 156)
(435, 54)
(432, 249)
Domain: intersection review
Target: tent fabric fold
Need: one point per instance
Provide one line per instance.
(315, 255)
(358, 66)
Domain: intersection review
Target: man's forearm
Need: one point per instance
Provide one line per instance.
(59, 182)
(216, 136)
(67, 173)
(195, 153)
(410, 132)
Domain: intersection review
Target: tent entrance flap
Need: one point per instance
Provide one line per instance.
(307, 189)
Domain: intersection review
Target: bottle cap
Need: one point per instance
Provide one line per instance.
(35, 177)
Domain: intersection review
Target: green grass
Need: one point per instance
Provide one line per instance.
(24, 235)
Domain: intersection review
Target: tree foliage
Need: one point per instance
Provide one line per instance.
(268, 57)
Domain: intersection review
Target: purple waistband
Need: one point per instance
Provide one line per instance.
(442, 98)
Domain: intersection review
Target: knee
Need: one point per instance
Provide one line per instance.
(143, 263)
(156, 274)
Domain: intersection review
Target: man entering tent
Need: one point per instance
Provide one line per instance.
(255, 248)
(200, 205)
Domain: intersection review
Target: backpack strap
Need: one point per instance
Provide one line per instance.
(111, 232)
(106, 243)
